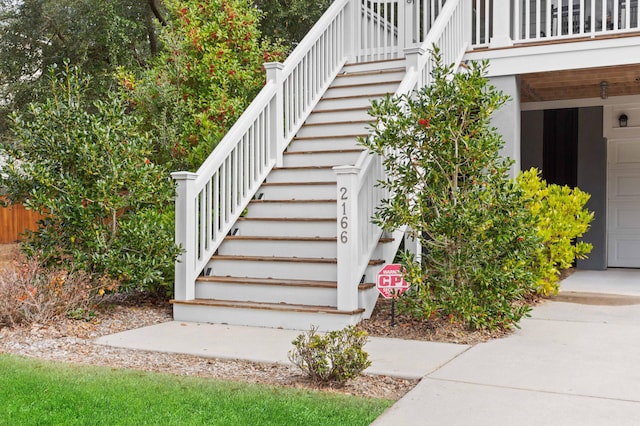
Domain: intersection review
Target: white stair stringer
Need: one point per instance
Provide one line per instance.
(278, 267)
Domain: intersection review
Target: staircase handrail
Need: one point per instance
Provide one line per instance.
(209, 201)
(451, 34)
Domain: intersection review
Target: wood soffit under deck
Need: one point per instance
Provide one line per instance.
(622, 80)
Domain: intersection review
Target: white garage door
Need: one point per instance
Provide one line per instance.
(623, 194)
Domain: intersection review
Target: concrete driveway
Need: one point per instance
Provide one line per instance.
(576, 361)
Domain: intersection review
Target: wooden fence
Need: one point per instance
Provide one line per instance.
(14, 221)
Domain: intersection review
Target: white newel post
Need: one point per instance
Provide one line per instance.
(351, 26)
(412, 57)
(347, 225)
(185, 274)
(274, 74)
(501, 25)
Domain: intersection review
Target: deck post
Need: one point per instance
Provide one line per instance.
(185, 209)
(276, 120)
(348, 236)
(501, 26)
(351, 27)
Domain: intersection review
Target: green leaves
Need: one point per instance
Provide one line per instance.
(336, 356)
(85, 166)
(198, 86)
(560, 217)
(450, 186)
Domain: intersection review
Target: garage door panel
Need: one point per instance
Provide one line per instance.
(624, 251)
(624, 154)
(623, 193)
(624, 216)
(624, 184)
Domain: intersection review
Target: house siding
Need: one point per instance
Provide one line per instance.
(592, 178)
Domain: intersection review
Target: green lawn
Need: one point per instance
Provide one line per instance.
(34, 392)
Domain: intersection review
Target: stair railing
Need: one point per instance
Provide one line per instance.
(357, 192)
(210, 200)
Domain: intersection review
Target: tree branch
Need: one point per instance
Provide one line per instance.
(156, 12)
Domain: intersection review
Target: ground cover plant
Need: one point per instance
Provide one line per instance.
(451, 187)
(37, 392)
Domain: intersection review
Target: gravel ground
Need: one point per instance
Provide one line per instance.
(72, 341)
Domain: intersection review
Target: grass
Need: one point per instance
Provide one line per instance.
(37, 392)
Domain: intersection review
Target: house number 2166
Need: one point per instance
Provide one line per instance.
(344, 220)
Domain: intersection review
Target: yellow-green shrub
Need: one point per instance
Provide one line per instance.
(560, 217)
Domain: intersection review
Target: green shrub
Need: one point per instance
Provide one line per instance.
(452, 189)
(86, 167)
(560, 217)
(336, 356)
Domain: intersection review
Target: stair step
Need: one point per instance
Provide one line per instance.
(362, 89)
(294, 268)
(365, 66)
(274, 315)
(296, 190)
(340, 115)
(333, 129)
(265, 290)
(353, 101)
(321, 158)
(295, 226)
(292, 208)
(271, 282)
(302, 174)
(336, 143)
(268, 306)
(348, 76)
(251, 245)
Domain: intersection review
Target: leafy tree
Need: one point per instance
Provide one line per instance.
(210, 70)
(290, 20)
(86, 167)
(95, 36)
(450, 186)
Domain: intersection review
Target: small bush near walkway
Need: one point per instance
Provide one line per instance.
(336, 356)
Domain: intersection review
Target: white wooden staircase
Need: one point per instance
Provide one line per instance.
(278, 266)
(275, 225)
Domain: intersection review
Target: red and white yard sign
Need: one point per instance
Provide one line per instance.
(390, 281)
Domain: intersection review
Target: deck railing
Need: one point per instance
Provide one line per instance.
(524, 21)
(357, 192)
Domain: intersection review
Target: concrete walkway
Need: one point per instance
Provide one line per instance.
(569, 364)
